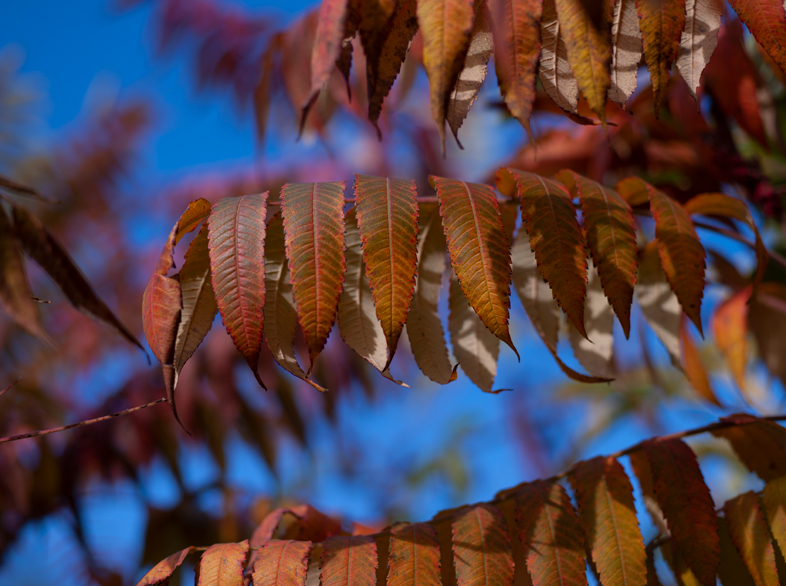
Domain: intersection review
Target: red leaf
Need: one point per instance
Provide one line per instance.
(223, 564)
(349, 561)
(481, 548)
(282, 563)
(414, 555)
(760, 445)
(163, 570)
(766, 21)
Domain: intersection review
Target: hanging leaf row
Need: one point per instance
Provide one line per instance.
(533, 533)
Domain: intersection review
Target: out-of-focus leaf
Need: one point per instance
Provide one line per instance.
(767, 322)
(554, 70)
(766, 21)
(699, 39)
(262, 92)
(749, 532)
(775, 505)
(314, 234)
(19, 189)
(223, 564)
(626, 50)
(327, 46)
(282, 563)
(595, 355)
(731, 570)
(414, 555)
(694, 367)
(162, 572)
(729, 326)
(659, 304)
(481, 548)
(761, 445)
(349, 561)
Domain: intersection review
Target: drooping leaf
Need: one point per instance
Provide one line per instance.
(481, 548)
(659, 304)
(328, 44)
(162, 572)
(236, 235)
(693, 366)
(761, 446)
(595, 356)
(554, 70)
(516, 31)
(775, 505)
(681, 253)
(626, 48)
(685, 500)
(222, 564)
(608, 516)
(699, 39)
(279, 310)
(766, 20)
(414, 555)
(42, 247)
(556, 240)
(767, 323)
(446, 26)
(729, 326)
(473, 72)
(479, 252)
(424, 327)
(387, 217)
(551, 535)
(588, 50)
(634, 190)
(282, 563)
(263, 90)
(731, 570)
(314, 235)
(611, 238)
(348, 561)
(749, 532)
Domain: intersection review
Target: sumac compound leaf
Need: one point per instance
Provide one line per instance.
(414, 555)
(625, 50)
(387, 217)
(551, 535)
(223, 564)
(349, 561)
(236, 233)
(766, 20)
(749, 532)
(760, 445)
(481, 547)
(608, 516)
(775, 505)
(685, 500)
(479, 250)
(282, 563)
(699, 39)
(729, 326)
(314, 234)
(162, 572)
(554, 70)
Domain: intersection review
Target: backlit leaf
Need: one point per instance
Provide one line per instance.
(731, 570)
(479, 252)
(163, 570)
(750, 534)
(349, 561)
(282, 563)
(481, 548)
(551, 535)
(699, 39)
(223, 564)
(595, 355)
(608, 516)
(554, 70)
(387, 216)
(767, 323)
(659, 304)
(761, 446)
(327, 44)
(314, 233)
(694, 367)
(414, 555)
(626, 50)
(729, 326)
(236, 235)
(679, 489)
(766, 20)
(775, 505)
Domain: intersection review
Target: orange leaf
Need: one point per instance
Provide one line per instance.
(608, 516)
(481, 547)
(761, 446)
(162, 572)
(222, 565)
(551, 535)
(729, 325)
(694, 367)
(699, 39)
(414, 555)
(634, 191)
(348, 561)
(387, 217)
(556, 240)
(282, 563)
(750, 534)
(446, 26)
(314, 227)
(661, 23)
(479, 250)
(775, 505)
(516, 30)
(554, 70)
(731, 570)
(625, 51)
(236, 232)
(679, 489)
(766, 20)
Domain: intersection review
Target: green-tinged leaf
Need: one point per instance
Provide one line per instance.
(282, 563)
(424, 327)
(279, 310)
(42, 247)
(699, 39)
(595, 355)
(608, 516)
(223, 564)
(685, 500)
(314, 234)
(766, 20)
(775, 505)
(349, 561)
(162, 572)
(554, 70)
(729, 326)
(328, 44)
(681, 253)
(555, 238)
(693, 366)
(236, 234)
(731, 570)
(516, 30)
(749, 532)
(465, 92)
(414, 555)
(767, 323)
(481, 547)
(626, 51)
(446, 26)
(659, 304)
(661, 23)
(761, 445)
(479, 251)
(551, 535)
(588, 49)
(611, 238)
(387, 217)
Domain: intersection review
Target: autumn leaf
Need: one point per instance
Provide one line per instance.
(314, 232)
(775, 504)
(282, 563)
(162, 572)
(327, 46)
(659, 304)
(481, 547)
(766, 20)
(236, 234)
(596, 355)
(729, 326)
(626, 48)
(694, 368)
(222, 565)
(760, 445)
(554, 69)
(414, 555)
(348, 561)
(731, 570)
(750, 534)
(767, 323)
(698, 41)
(263, 90)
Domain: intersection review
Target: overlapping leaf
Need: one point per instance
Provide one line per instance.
(729, 326)
(658, 303)
(414, 556)
(554, 69)
(766, 20)
(750, 534)
(626, 51)
(348, 561)
(699, 39)
(282, 563)
(731, 570)
(761, 446)
(693, 366)
(775, 504)
(481, 548)
(595, 355)
(767, 322)
(223, 564)
(161, 573)
(327, 45)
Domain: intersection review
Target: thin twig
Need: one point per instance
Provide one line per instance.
(13, 384)
(14, 438)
